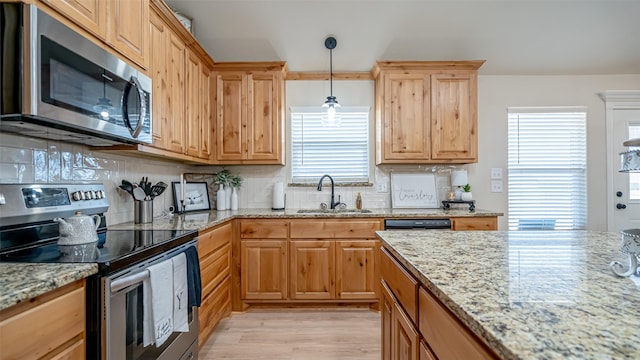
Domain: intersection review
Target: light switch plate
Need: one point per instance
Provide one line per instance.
(496, 173)
(382, 187)
(496, 186)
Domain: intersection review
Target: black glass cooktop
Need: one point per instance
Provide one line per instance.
(114, 250)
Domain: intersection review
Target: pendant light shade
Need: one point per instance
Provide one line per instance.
(330, 108)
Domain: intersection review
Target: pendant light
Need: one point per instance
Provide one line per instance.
(330, 108)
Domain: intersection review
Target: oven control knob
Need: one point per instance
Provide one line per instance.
(88, 195)
(77, 195)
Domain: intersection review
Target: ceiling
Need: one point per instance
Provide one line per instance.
(515, 37)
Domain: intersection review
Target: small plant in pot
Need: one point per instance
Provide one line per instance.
(466, 195)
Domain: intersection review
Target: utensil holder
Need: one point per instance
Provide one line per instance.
(143, 211)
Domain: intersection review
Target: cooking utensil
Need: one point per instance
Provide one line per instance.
(128, 187)
(138, 194)
(158, 189)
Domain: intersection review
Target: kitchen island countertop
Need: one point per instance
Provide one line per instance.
(530, 295)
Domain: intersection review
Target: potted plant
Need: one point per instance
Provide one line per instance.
(466, 195)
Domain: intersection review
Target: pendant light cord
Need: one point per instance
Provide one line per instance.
(331, 71)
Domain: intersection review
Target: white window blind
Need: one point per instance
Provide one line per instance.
(340, 151)
(547, 168)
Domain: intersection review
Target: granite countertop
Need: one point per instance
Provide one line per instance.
(204, 220)
(530, 295)
(20, 282)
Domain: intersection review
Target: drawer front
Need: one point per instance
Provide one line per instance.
(264, 229)
(447, 337)
(214, 307)
(43, 328)
(346, 229)
(215, 268)
(210, 240)
(401, 283)
(474, 223)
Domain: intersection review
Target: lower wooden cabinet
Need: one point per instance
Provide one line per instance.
(263, 268)
(474, 223)
(400, 339)
(312, 270)
(49, 326)
(435, 333)
(357, 275)
(214, 250)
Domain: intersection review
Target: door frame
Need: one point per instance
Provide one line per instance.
(615, 100)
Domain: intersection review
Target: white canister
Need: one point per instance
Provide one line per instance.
(221, 198)
(234, 199)
(278, 196)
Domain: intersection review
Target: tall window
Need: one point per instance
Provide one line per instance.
(547, 168)
(341, 151)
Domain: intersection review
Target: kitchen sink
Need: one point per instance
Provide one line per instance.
(332, 211)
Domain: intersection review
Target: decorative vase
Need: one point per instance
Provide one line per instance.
(466, 196)
(234, 199)
(220, 198)
(227, 201)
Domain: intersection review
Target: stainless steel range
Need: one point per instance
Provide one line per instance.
(115, 296)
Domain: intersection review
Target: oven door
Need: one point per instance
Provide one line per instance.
(123, 311)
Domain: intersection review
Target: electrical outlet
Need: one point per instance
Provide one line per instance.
(496, 186)
(382, 187)
(496, 173)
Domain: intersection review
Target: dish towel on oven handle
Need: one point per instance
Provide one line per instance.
(161, 284)
(193, 276)
(180, 293)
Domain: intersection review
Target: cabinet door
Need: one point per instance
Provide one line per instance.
(91, 15)
(355, 269)
(386, 302)
(312, 270)
(230, 116)
(158, 38)
(175, 102)
(405, 125)
(263, 268)
(128, 31)
(453, 117)
(206, 121)
(475, 223)
(405, 340)
(192, 111)
(264, 123)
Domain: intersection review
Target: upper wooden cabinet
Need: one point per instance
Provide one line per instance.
(121, 24)
(249, 112)
(182, 94)
(426, 112)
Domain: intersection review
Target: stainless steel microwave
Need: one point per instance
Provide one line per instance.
(56, 84)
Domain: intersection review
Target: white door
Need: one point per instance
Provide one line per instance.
(623, 123)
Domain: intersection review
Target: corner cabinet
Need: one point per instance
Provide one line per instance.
(249, 112)
(426, 112)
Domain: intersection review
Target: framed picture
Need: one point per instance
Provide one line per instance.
(413, 191)
(196, 196)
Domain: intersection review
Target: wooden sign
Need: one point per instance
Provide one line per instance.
(413, 191)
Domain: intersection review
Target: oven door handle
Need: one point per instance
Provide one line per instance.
(127, 281)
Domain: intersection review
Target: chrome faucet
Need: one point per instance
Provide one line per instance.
(333, 202)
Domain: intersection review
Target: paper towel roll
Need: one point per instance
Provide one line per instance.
(278, 196)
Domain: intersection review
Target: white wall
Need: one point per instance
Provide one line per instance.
(496, 93)
(30, 160)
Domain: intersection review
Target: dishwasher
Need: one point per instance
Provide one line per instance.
(417, 224)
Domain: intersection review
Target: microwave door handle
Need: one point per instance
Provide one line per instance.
(125, 106)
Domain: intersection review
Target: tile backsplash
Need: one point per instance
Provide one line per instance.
(28, 160)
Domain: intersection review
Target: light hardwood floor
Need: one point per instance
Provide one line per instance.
(296, 335)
